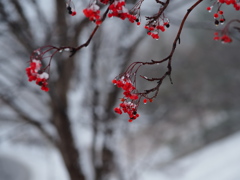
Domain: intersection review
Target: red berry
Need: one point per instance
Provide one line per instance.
(215, 15)
(145, 101)
(114, 81)
(74, 13)
(118, 110)
(209, 8)
(220, 12)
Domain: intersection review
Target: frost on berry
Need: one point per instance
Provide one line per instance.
(209, 9)
(145, 101)
(118, 9)
(36, 70)
(93, 13)
(70, 8)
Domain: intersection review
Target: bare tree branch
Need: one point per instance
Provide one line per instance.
(22, 17)
(16, 29)
(29, 120)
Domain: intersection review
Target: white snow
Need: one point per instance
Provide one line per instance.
(42, 163)
(218, 161)
(44, 75)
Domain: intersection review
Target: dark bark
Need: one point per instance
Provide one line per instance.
(59, 101)
(67, 146)
(108, 166)
(62, 122)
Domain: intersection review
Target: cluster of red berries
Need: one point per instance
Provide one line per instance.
(34, 73)
(128, 107)
(218, 16)
(235, 3)
(118, 9)
(224, 38)
(93, 13)
(127, 86)
(155, 27)
(129, 102)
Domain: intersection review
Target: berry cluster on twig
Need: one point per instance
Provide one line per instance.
(93, 13)
(36, 72)
(223, 35)
(220, 19)
(71, 8)
(131, 97)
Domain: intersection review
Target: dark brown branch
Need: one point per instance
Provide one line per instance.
(22, 17)
(16, 29)
(74, 50)
(229, 23)
(61, 22)
(168, 58)
(160, 12)
(160, 2)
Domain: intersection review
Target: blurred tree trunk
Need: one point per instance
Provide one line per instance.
(20, 28)
(66, 143)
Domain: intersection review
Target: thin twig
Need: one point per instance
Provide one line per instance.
(169, 57)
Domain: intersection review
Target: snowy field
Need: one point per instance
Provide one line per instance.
(218, 161)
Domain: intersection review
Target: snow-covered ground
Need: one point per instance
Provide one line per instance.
(218, 161)
(41, 163)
